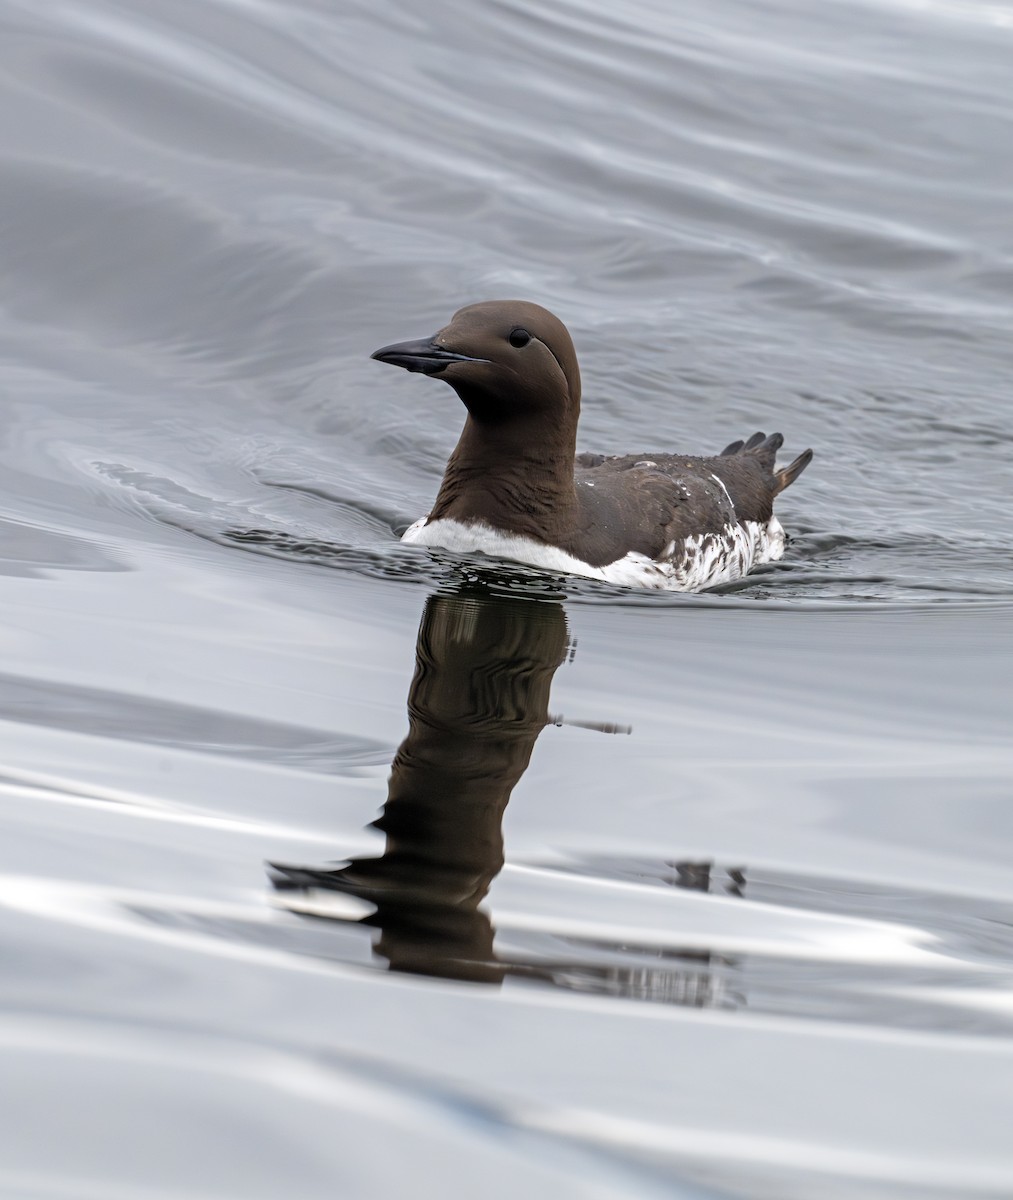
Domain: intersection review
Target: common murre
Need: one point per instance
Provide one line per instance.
(515, 487)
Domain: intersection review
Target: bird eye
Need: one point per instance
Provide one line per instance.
(519, 337)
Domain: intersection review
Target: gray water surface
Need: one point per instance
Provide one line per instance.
(333, 868)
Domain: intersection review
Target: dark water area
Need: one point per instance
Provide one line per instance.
(331, 867)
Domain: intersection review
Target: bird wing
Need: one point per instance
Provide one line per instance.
(647, 506)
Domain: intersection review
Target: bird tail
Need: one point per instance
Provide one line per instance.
(787, 475)
(759, 446)
(765, 449)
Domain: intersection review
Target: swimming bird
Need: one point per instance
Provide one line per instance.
(516, 488)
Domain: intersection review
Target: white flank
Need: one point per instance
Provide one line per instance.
(701, 561)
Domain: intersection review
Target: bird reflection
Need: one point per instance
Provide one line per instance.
(477, 703)
(478, 700)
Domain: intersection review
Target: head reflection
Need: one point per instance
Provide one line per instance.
(477, 703)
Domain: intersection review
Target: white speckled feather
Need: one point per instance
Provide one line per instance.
(701, 561)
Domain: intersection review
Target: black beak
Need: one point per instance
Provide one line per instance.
(424, 356)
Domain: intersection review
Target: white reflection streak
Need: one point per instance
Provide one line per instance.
(205, 1056)
(882, 944)
(37, 785)
(998, 15)
(966, 1175)
(107, 911)
(798, 935)
(992, 1001)
(31, 1185)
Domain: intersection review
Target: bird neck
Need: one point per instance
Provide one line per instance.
(515, 475)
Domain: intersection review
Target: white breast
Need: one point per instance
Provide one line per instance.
(701, 561)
